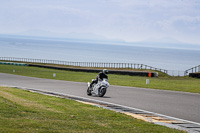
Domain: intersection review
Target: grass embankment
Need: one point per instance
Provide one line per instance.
(23, 111)
(185, 84)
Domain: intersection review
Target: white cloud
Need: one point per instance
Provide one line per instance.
(123, 19)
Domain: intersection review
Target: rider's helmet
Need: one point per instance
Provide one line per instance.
(105, 71)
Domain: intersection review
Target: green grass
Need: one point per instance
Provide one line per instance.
(26, 112)
(185, 84)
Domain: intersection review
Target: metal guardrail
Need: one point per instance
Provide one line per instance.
(131, 73)
(85, 64)
(193, 70)
(104, 65)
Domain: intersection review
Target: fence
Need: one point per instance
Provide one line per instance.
(85, 64)
(193, 70)
(104, 65)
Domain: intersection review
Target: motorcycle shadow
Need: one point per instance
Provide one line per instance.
(101, 97)
(105, 97)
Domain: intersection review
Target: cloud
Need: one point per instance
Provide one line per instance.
(123, 19)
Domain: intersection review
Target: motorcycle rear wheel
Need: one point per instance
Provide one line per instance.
(89, 92)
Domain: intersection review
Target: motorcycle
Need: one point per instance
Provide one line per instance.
(98, 89)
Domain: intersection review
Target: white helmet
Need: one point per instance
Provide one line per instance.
(105, 71)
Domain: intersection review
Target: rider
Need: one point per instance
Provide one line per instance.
(101, 76)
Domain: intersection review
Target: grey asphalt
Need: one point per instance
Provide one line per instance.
(181, 105)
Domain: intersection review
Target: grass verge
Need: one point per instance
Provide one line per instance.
(23, 111)
(185, 84)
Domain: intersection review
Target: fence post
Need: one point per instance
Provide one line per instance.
(199, 69)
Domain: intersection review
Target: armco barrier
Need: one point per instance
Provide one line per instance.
(131, 73)
(13, 63)
(86, 64)
(194, 75)
(104, 65)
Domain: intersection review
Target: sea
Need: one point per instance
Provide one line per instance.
(80, 51)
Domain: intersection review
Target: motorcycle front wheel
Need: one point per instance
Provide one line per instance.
(102, 91)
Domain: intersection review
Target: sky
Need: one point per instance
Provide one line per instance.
(128, 20)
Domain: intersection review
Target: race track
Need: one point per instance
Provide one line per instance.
(181, 105)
